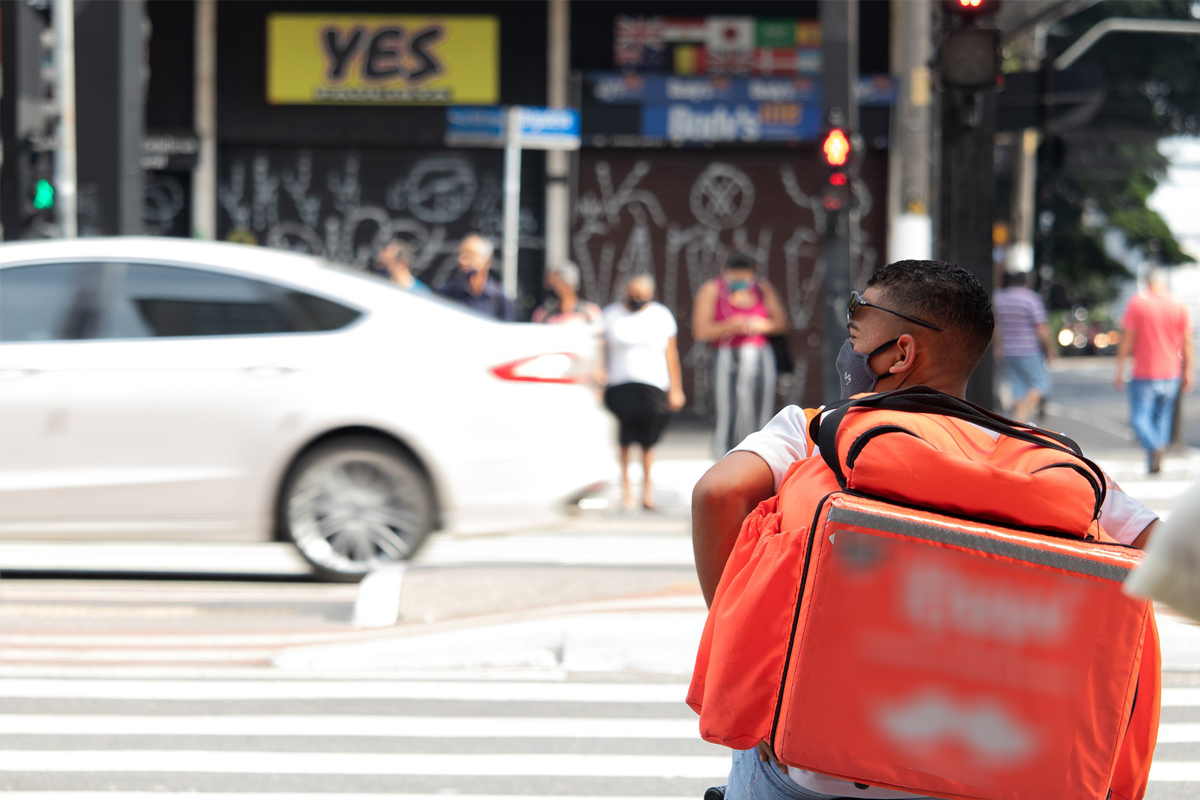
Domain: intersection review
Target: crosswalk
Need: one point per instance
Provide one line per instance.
(270, 737)
(83, 739)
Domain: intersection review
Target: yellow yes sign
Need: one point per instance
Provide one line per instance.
(373, 59)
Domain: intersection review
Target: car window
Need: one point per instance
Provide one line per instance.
(149, 300)
(46, 302)
(312, 313)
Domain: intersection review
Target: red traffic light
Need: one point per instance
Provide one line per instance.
(836, 148)
(969, 9)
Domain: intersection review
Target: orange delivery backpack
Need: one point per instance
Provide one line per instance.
(933, 606)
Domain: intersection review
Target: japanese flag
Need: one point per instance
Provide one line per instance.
(731, 33)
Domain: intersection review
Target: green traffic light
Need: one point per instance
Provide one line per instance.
(43, 195)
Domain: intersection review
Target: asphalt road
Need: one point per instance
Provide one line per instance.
(548, 663)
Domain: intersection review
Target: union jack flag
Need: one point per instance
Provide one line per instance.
(730, 62)
(638, 41)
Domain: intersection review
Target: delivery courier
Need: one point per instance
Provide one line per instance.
(927, 602)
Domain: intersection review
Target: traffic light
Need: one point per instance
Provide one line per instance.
(838, 150)
(969, 57)
(43, 194)
(37, 119)
(968, 10)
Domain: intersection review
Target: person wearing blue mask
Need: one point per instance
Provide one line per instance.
(735, 313)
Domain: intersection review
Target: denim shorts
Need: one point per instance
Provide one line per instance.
(1023, 373)
(751, 779)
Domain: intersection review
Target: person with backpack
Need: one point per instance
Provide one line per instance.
(916, 334)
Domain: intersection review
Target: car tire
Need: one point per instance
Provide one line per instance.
(353, 504)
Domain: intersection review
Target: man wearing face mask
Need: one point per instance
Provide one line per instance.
(917, 323)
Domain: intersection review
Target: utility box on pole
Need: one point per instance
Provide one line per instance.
(839, 54)
(968, 67)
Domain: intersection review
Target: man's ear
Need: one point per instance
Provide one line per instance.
(907, 346)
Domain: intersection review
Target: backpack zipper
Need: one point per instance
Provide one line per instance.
(787, 661)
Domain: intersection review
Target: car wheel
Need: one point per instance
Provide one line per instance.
(353, 504)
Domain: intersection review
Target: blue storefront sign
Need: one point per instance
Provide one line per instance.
(541, 128)
(624, 88)
(705, 123)
(631, 88)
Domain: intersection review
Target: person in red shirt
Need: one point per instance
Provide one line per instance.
(1157, 332)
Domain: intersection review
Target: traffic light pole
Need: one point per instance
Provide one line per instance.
(65, 184)
(839, 56)
(968, 63)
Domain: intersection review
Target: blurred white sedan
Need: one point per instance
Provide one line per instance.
(173, 389)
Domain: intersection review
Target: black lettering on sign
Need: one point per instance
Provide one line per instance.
(383, 55)
(339, 54)
(425, 63)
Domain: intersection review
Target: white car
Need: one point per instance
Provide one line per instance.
(156, 388)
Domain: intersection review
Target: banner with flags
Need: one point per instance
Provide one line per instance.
(718, 45)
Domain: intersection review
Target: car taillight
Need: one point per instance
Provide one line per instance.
(546, 368)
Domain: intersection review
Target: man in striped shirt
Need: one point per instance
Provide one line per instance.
(1022, 344)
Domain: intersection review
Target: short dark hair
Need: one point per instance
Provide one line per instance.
(738, 260)
(1016, 279)
(945, 295)
(404, 250)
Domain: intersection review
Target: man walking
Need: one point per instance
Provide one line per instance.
(1157, 332)
(1022, 344)
(472, 284)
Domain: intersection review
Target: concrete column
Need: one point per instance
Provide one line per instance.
(558, 197)
(204, 177)
(910, 226)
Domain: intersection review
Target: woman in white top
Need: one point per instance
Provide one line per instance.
(644, 377)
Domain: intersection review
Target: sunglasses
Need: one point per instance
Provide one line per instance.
(856, 300)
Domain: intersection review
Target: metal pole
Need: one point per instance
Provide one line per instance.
(204, 177)
(131, 120)
(839, 54)
(558, 199)
(1084, 43)
(512, 199)
(65, 179)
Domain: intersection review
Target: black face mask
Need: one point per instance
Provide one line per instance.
(855, 368)
(635, 305)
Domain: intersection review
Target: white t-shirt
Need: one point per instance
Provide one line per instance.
(784, 440)
(637, 344)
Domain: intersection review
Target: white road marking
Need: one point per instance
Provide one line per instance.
(615, 550)
(317, 725)
(341, 690)
(378, 601)
(1175, 771)
(459, 765)
(1180, 697)
(1178, 732)
(300, 796)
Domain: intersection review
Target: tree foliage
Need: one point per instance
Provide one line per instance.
(1109, 170)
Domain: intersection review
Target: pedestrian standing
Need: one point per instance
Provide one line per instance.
(472, 283)
(395, 261)
(735, 313)
(564, 305)
(1023, 344)
(645, 379)
(1157, 332)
